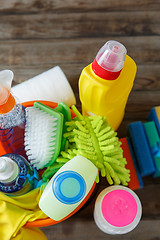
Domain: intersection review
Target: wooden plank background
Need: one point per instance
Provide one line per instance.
(36, 35)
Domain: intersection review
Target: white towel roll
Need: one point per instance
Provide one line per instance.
(51, 85)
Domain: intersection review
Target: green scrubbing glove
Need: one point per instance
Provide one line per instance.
(93, 138)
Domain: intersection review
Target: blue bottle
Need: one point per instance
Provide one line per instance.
(17, 177)
(12, 117)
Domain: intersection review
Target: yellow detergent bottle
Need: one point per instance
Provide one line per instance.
(105, 84)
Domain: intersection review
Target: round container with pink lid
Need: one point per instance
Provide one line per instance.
(117, 210)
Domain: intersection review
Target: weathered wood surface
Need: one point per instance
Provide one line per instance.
(79, 50)
(86, 229)
(36, 35)
(36, 6)
(35, 56)
(84, 25)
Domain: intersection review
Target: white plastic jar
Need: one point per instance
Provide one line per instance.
(118, 210)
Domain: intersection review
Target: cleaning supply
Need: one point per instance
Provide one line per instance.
(154, 144)
(117, 210)
(43, 134)
(16, 211)
(30, 104)
(135, 163)
(31, 219)
(51, 85)
(16, 175)
(135, 178)
(30, 233)
(154, 115)
(12, 117)
(48, 221)
(68, 188)
(93, 138)
(141, 148)
(65, 110)
(105, 84)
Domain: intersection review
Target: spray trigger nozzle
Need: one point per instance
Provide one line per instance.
(6, 77)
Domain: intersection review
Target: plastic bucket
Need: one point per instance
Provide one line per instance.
(48, 221)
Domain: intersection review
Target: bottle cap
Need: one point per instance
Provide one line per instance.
(69, 187)
(7, 101)
(9, 170)
(117, 210)
(109, 60)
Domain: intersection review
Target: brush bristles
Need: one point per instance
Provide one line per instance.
(40, 136)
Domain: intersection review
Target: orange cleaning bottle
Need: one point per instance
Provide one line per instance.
(105, 84)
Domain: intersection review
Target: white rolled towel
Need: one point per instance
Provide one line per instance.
(51, 85)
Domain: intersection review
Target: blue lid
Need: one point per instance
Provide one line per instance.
(69, 187)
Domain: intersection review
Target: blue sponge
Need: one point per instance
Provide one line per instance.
(154, 144)
(135, 164)
(154, 115)
(141, 148)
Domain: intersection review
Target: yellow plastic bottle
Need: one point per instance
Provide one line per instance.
(105, 84)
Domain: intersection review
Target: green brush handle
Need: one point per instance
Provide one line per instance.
(51, 170)
(65, 110)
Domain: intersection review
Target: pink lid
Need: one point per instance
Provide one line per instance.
(119, 208)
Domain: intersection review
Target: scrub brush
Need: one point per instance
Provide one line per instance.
(65, 110)
(93, 138)
(43, 135)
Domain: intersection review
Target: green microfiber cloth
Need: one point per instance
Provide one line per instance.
(93, 138)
